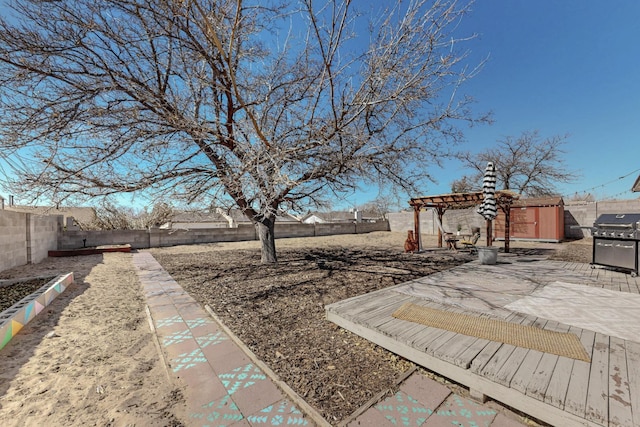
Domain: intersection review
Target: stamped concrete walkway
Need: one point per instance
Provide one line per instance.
(222, 385)
(424, 402)
(225, 385)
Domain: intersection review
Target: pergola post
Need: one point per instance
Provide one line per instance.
(507, 226)
(440, 212)
(416, 226)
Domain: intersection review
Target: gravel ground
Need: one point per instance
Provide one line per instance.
(12, 292)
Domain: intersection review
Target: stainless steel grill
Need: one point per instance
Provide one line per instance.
(616, 241)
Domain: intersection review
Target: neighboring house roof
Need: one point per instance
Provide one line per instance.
(312, 218)
(223, 215)
(339, 216)
(240, 218)
(636, 185)
(198, 217)
(80, 214)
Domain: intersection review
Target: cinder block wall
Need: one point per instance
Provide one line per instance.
(44, 235)
(75, 239)
(466, 218)
(13, 240)
(368, 227)
(26, 238)
(159, 238)
(575, 216)
(141, 239)
(293, 230)
(585, 214)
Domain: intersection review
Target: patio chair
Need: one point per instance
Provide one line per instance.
(450, 239)
(471, 243)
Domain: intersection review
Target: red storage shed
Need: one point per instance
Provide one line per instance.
(534, 219)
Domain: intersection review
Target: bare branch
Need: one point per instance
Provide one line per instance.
(262, 104)
(528, 164)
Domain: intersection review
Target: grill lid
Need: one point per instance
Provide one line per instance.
(628, 220)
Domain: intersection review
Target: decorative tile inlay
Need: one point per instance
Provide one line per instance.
(177, 337)
(223, 412)
(460, 411)
(283, 413)
(169, 321)
(188, 360)
(211, 339)
(194, 323)
(402, 409)
(29, 310)
(242, 377)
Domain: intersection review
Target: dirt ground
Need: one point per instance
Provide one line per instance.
(90, 358)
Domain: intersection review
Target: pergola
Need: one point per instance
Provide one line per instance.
(443, 202)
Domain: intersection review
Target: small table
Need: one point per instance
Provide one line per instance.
(451, 241)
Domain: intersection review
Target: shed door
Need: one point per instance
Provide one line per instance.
(525, 223)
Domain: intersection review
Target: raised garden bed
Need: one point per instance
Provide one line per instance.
(13, 319)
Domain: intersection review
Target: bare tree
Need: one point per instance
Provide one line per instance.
(466, 184)
(582, 197)
(258, 104)
(380, 206)
(529, 164)
(110, 216)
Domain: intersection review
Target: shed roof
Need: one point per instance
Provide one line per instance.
(540, 201)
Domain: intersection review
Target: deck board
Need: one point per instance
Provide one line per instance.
(632, 350)
(576, 397)
(539, 383)
(554, 389)
(619, 393)
(500, 357)
(556, 393)
(597, 401)
(507, 371)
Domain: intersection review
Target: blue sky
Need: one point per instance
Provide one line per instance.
(561, 67)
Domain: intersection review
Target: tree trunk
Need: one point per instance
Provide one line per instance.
(265, 229)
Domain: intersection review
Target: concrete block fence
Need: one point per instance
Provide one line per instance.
(27, 238)
(154, 238)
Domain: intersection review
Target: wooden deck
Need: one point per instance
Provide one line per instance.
(557, 390)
